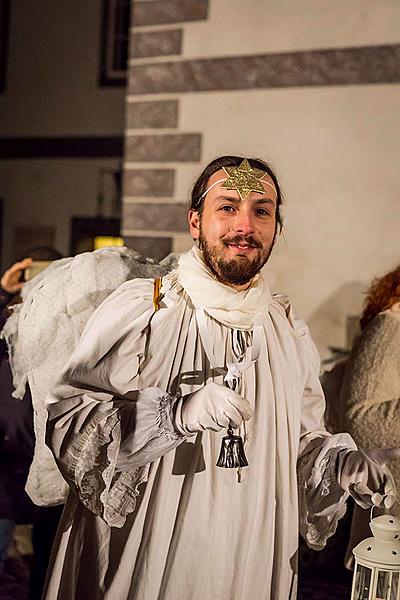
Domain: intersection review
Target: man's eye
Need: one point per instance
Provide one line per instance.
(263, 212)
(227, 208)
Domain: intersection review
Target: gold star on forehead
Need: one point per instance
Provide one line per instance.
(244, 179)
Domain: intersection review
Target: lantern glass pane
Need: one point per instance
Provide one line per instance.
(394, 592)
(383, 585)
(362, 583)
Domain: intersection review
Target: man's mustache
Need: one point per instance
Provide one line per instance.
(249, 239)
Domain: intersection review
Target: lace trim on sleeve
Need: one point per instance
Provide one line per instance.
(123, 495)
(93, 458)
(166, 416)
(90, 459)
(93, 461)
(322, 501)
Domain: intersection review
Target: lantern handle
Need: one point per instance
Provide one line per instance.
(371, 514)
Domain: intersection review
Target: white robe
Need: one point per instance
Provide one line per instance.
(181, 528)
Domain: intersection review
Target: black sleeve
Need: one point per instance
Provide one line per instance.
(5, 298)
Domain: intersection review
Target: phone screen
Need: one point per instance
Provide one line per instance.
(36, 267)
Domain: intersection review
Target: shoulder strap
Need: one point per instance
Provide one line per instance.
(157, 293)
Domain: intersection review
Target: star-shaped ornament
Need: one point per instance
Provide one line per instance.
(244, 179)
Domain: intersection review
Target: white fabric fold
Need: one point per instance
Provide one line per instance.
(148, 430)
(234, 369)
(322, 499)
(192, 521)
(45, 329)
(223, 303)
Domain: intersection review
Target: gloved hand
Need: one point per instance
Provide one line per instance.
(214, 407)
(364, 474)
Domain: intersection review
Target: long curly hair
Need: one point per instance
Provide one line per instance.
(381, 295)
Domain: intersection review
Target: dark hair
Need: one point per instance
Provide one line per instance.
(42, 253)
(382, 294)
(215, 165)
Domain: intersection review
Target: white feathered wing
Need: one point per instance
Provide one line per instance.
(44, 330)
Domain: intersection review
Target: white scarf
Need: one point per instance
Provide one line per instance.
(223, 303)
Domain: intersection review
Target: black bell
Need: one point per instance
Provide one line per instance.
(232, 454)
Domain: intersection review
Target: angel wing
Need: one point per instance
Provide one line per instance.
(44, 329)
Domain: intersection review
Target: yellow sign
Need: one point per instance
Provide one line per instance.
(102, 241)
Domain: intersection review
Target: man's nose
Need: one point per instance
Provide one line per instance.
(244, 222)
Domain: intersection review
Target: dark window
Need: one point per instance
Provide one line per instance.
(114, 42)
(4, 23)
(84, 231)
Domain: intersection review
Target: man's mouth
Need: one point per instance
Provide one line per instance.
(244, 245)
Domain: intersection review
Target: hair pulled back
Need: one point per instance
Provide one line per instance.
(215, 165)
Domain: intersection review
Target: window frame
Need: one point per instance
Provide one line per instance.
(4, 37)
(108, 75)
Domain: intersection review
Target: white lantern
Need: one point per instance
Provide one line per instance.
(377, 565)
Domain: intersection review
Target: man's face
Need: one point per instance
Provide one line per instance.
(236, 236)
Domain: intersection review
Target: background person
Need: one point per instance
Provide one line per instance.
(370, 395)
(17, 438)
(16, 428)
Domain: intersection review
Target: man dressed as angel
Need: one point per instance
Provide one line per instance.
(164, 371)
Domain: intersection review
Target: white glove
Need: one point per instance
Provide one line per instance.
(212, 407)
(364, 474)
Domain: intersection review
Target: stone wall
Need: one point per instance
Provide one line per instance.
(155, 146)
(310, 86)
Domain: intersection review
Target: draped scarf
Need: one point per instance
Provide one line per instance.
(230, 307)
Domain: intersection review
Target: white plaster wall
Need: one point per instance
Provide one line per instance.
(335, 149)
(238, 27)
(336, 152)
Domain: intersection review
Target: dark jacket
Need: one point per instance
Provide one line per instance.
(16, 438)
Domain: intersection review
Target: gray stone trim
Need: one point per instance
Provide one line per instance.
(158, 12)
(155, 43)
(149, 182)
(156, 217)
(157, 115)
(341, 66)
(152, 247)
(185, 147)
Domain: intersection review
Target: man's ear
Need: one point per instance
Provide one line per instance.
(194, 224)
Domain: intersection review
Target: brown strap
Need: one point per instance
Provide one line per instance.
(156, 293)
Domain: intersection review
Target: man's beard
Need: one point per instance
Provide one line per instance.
(239, 270)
